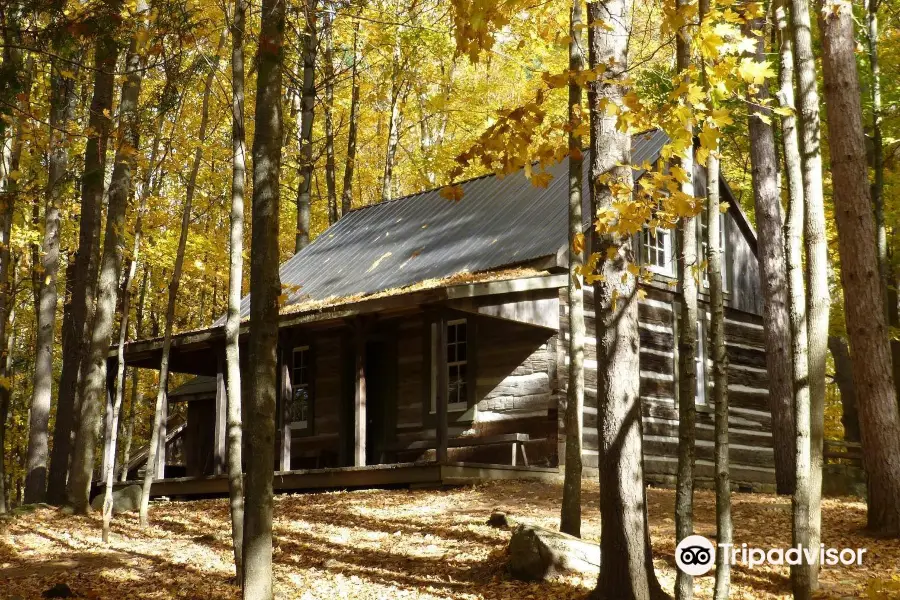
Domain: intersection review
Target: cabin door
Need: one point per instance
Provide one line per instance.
(378, 375)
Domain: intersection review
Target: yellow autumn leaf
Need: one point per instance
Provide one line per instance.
(753, 71)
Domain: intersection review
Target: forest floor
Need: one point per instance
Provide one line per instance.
(396, 544)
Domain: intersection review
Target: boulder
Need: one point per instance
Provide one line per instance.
(127, 499)
(539, 554)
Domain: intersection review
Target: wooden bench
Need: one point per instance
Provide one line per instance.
(516, 440)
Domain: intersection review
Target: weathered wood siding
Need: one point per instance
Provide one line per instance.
(750, 419)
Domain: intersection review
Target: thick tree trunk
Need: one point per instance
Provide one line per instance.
(570, 517)
(843, 377)
(720, 376)
(235, 277)
(866, 324)
(817, 300)
(687, 340)
(84, 288)
(627, 567)
(307, 118)
(136, 397)
(265, 288)
(347, 192)
(773, 275)
(328, 68)
(78, 490)
(157, 445)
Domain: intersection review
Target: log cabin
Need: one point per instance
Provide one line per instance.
(423, 342)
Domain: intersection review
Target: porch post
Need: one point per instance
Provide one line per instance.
(441, 392)
(219, 449)
(359, 399)
(285, 458)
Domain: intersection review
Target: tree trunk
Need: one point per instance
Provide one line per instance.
(78, 490)
(627, 567)
(307, 117)
(687, 339)
(877, 141)
(235, 277)
(328, 68)
(75, 363)
(62, 95)
(720, 376)
(347, 192)
(136, 397)
(843, 377)
(265, 288)
(570, 518)
(393, 141)
(9, 339)
(773, 274)
(866, 325)
(157, 445)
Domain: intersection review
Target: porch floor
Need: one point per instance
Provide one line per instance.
(420, 474)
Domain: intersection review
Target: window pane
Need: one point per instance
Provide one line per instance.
(451, 333)
(461, 351)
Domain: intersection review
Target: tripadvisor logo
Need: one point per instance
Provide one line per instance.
(695, 555)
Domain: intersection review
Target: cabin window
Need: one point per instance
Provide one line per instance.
(704, 227)
(457, 366)
(656, 249)
(299, 409)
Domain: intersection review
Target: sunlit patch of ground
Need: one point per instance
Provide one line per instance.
(393, 544)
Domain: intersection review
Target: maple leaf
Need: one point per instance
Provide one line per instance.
(753, 71)
(452, 192)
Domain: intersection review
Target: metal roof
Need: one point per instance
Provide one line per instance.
(500, 221)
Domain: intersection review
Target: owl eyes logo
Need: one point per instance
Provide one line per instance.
(695, 555)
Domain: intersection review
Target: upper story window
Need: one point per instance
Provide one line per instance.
(457, 342)
(656, 250)
(704, 227)
(298, 411)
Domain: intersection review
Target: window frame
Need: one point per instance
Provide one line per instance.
(657, 235)
(459, 407)
(307, 425)
(723, 248)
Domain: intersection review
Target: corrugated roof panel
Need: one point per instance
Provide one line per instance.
(499, 222)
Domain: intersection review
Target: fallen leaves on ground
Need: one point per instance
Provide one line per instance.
(416, 544)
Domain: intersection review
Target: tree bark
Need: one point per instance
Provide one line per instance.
(157, 445)
(627, 567)
(843, 377)
(9, 339)
(235, 277)
(393, 140)
(328, 68)
(817, 300)
(78, 490)
(265, 288)
(687, 338)
(866, 324)
(307, 117)
(136, 396)
(62, 95)
(773, 273)
(81, 307)
(720, 376)
(877, 188)
(570, 517)
(347, 192)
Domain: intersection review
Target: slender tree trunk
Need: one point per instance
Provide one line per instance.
(877, 141)
(157, 445)
(136, 397)
(308, 103)
(687, 338)
(235, 277)
(818, 301)
(720, 376)
(78, 490)
(328, 68)
(627, 567)
(347, 193)
(8, 336)
(570, 518)
(773, 274)
(265, 287)
(393, 141)
(75, 361)
(866, 324)
(62, 95)
(843, 377)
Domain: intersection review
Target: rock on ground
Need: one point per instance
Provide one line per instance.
(124, 500)
(539, 554)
